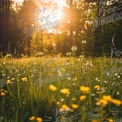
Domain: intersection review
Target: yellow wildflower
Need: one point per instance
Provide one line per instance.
(84, 89)
(3, 94)
(32, 118)
(64, 107)
(74, 106)
(52, 88)
(24, 79)
(65, 91)
(83, 97)
(39, 119)
(96, 87)
(102, 102)
(116, 102)
(107, 97)
(110, 120)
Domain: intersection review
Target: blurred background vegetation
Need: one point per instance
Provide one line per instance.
(76, 28)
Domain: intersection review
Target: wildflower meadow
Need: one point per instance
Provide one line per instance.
(60, 60)
(60, 89)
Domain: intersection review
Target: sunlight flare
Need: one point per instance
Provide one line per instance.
(16, 4)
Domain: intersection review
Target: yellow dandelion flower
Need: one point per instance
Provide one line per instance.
(32, 118)
(110, 120)
(65, 91)
(3, 94)
(83, 97)
(107, 97)
(24, 79)
(52, 88)
(96, 87)
(74, 106)
(64, 107)
(84, 89)
(102, 102)
(116, 102)
(39, 119)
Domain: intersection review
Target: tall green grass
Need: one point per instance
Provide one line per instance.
(25, 83)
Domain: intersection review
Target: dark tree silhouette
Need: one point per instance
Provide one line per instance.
(4, 24)
(104, 32)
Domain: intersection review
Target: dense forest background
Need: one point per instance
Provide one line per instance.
(76, 28)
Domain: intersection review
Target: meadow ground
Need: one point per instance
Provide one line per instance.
(60, 89)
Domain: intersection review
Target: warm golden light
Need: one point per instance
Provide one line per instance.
(61, 4)
(16, 4)
(50, 13)
(46, 14)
